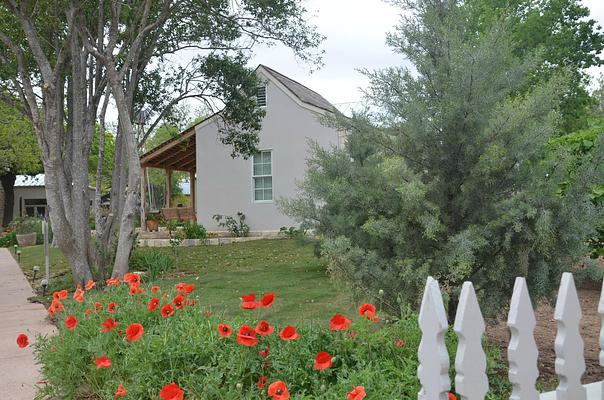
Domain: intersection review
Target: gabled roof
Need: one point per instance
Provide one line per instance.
(303, 93)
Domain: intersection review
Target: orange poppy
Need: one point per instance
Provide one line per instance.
(179, 301)
(171, 392)
(109, 324)
(22, 340)
(89, 285)
(167, 310)
(113, 281)
(153, 304)
(60, 295)
(339, 323)
(132, 278)
(278, 391)
(249, 302)
(103, 362)
(51, 310)
(111, 307)
(289, 333)
(261, 381)
(78, 295)
(267, 300)
(134, 332)
(224, 330)
(367, 310)
(323, 361)
(247, 336)
(264, 329)
(357, 393)
(71, 322)
(452, 396)
(121, 391)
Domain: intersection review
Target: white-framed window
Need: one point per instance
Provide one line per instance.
(261, 96)
(262, 176)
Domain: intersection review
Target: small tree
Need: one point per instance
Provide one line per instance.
(450, 177)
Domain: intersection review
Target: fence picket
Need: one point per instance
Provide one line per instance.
(570, 363)
(522, 350)
(471, 381)
(433, 370)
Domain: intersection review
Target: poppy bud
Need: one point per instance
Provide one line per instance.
(239, 386)
(381, 292)
(323, 388)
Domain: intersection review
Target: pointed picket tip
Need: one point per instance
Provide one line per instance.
(468, 311)
(568, 307)
(521, 307)
(432, 305)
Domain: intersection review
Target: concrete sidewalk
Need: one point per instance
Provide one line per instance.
(18, 370)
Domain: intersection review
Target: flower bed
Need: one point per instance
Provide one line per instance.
(141, 342)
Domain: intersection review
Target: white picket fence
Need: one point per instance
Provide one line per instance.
(471, 381)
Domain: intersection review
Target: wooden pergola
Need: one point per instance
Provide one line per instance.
(177, 154)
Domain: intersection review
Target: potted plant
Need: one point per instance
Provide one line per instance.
(152, 222)
(26, 230)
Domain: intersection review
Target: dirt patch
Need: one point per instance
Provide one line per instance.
(545, 335)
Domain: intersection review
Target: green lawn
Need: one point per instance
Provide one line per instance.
(223, 273)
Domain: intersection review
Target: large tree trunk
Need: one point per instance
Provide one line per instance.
(8, 186)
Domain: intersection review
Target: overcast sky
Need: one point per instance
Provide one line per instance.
(355, 33)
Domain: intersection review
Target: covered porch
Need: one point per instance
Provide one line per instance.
(177, 154)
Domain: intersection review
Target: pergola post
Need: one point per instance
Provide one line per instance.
(168, 187)
(192, 188)
(143, 197)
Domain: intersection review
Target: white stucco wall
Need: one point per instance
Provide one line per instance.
(224, 185)
(27, 192)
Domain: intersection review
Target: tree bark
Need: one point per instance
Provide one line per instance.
(8, 185)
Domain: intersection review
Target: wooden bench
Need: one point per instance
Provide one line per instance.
(178, 214)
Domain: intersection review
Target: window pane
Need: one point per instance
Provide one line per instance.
(268, 194)
(258, 195)
(268, 182)
(266, 169)
(257, 158)
(257, 169)
(266, 157)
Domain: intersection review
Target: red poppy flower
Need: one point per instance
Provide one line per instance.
(452, 396)
(249, 297)
(134, 332)
(278, 391)
(88, 312)
(109, 324)
(60, 295)
(22, 340)
(247, 336)
(339, 323)
(357, 393)
(78, 295)
(98, 306)
(132, 278)
(167, 310)
(111, 307)
(172, 392)
(89, 285)
(103, 362)
(249, 302)
(153, 304)
(322, 361)
(400, 343)
(289, 333)
(154, 289)
(367, 310)
(261, 381)
(264, 353)
(179, 301)
(113, 281)
(267, 300)
(185, 288)
(121, 391)
(71, 322)
(180, 287)
(224, 330)
(264, 329)
(353, 334)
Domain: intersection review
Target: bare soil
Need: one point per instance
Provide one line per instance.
(545, 334)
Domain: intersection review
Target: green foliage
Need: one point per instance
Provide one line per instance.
(237, 228)
(564, 34)
(8, 240)
(193, 230)
(19, 152)
(451, 177)
(154, 262)
(186, 348)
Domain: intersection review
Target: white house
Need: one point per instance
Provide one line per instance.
(223, 185)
